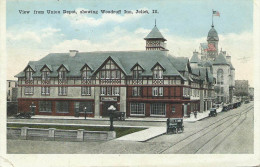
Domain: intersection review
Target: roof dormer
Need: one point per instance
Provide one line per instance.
(158, 70)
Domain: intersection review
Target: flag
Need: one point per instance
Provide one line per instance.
(215, 13)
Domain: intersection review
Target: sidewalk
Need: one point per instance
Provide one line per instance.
(200, 116)
(144, 135)
(132, 119)
(146, 119)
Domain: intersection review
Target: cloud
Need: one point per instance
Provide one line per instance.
(23, 36)
(31, 35)
(28, 45)
(118, 39)
(84, 19)
(144, 32)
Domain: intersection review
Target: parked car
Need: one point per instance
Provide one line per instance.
(25, 115)
(213, 112)
(175, 125)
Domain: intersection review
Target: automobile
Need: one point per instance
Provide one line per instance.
(213, 112)
(175, 125)
(225, 108)
(23, 115)
(120, 116)
(247, 101)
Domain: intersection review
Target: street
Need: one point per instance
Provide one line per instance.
(230, 132)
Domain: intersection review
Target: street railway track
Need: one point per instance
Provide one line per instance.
(224, 129)
(225, 119)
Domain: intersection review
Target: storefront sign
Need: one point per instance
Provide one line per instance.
(108, 98)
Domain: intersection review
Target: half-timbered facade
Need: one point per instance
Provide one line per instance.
(148, 83)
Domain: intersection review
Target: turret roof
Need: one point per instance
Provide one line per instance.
(155, 34)
(195, 58)
(220, 60)
(212, 35)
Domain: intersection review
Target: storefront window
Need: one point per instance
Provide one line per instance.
(158, 109)
(62, 107)
(45, 106)
(137, 108)
(80, 107)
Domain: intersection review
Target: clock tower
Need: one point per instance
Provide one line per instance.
(212, 40)
(155, 40)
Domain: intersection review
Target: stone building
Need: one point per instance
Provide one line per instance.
(149, 83)
(219, 64)
(11, 90)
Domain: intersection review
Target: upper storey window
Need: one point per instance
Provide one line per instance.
(110, 71)
(28, 74)
(45, 74)
(137, 72)
(158, 72)
(220, 76)
(62, 73)
(86, 73)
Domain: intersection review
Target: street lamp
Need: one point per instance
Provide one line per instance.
(85, 109)
(111, 111)
(32, 106)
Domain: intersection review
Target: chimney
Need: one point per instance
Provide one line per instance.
(228, 58)
(73, 53)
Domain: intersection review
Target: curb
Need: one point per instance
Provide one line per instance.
(127, 120)
(86, 125)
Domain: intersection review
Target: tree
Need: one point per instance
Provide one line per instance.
(241, 94)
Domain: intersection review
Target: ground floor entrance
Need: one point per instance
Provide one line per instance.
(106, 105)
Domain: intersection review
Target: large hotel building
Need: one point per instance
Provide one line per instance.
(149, 83)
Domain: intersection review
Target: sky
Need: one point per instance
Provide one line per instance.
(184, 23)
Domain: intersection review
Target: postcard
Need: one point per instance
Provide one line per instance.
(129, 83)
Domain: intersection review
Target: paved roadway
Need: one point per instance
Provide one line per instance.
(230, 132)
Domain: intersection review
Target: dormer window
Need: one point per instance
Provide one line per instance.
(62, 73)
(158, 72)
(86, 73)
(110, 71)
(28, 74)
(137, 72)
(45, 75)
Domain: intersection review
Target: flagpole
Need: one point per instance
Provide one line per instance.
(212, 18)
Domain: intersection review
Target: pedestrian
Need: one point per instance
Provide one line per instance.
(195, 114)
